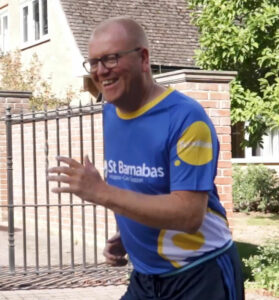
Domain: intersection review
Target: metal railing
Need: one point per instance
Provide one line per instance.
(25, 136)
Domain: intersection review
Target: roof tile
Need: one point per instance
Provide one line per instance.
(167, 24)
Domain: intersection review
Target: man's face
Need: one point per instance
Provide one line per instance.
(120, 83)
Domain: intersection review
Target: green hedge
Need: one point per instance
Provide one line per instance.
(255, 188)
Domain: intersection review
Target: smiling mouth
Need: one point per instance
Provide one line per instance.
(108, 82)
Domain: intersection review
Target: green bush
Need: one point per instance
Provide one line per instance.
(255, 188)
(265, 268)
(18, 76)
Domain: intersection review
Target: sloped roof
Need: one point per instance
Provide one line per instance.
(167, 23)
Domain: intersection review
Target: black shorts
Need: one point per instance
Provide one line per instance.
(217, 279)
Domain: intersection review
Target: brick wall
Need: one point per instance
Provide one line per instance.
(17, 102)
(211, 89)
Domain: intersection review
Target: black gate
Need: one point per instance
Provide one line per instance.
(51, 237)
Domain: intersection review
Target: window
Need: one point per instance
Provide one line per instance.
(34, 21)
(4, 47)
(269, 152)
(270, 149)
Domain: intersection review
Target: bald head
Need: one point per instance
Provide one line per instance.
(133, 32)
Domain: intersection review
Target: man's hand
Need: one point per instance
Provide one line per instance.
(83, 180)
(115, 252)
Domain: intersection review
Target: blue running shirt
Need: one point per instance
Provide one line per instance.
(168, 145)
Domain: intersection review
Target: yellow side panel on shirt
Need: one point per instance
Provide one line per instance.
(178, 243)
(195, 145)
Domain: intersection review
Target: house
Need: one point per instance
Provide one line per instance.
(58, 31)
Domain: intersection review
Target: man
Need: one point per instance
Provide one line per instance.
(161, 154)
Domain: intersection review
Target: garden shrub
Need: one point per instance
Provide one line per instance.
(255, 188)
(15, 76)
(265, 267)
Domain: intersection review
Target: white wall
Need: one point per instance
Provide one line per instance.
(61, 58)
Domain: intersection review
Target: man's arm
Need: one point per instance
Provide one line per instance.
(179, 210)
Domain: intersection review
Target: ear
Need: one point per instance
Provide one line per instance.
(145, 60)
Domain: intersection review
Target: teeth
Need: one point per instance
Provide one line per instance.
(107, 82)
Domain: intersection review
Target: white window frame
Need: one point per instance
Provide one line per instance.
(4, 36)
(31, 39)
(268, 154)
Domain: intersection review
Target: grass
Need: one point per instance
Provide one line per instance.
(263, 220)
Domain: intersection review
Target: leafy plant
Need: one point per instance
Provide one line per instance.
(14, 77)
(265, 267)
(255, 188)
(243, 36)
(245, 250)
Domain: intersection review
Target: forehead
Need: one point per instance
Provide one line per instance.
(108, 39)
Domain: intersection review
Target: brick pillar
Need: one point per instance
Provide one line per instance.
(17, 101)
(211, 89)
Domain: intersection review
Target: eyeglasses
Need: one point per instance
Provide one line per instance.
(108, 61)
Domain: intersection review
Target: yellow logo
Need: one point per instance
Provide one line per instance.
(188, 241)
(173, 245)
(195, 145)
